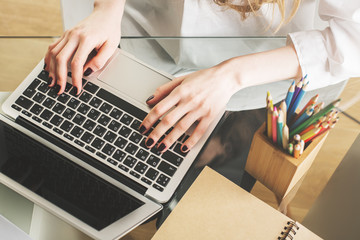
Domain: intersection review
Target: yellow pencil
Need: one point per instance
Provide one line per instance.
(310, 133)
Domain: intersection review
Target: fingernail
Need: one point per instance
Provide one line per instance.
(149, 98)
(88, 72)
(44, 66)
(50, 80)
(184, 148)
(161, 147)
(149, 142)
(142, 129)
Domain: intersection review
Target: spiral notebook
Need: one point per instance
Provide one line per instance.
(216, 208)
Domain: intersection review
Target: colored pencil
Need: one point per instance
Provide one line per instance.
(315, 117)
(297, 148)
(290, 94)
(279, 127)
(302, 145)
(291, 148)
(299, 97)
(274, 125)
(269, 123)
(303, 117)
(310, 134)
(311, 102)
(285, 137)
(284, 110)
(317, 124)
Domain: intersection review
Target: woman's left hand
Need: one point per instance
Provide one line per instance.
(196, 97)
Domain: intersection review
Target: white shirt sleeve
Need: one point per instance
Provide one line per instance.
(333, 54)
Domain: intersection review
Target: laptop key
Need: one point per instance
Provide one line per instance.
(39, 97)
(85, 97)
(104, 120)
(163, 180)
(157, 187)
(79, 119)
(46, 114)
(119, 155)
(140, 167)
(68, 137)
(43, 87)
(26, 113)
(114, 125)
(89, 125)
(167, 168)
(44, 75)
(58, 108)
(131, 148)
(73, 103)
(67, 87)
(172, 158)
(153, 161)
(110, 136)
(142, 154)
(49, 103)
(91, 87)
(126, 119)
(99, 130)
(95, 102)
(93, 114)
(125, 131)
(97, 143)
(53, 92)
(103, 156)
(58, 131)
(36, 109)
(83, 108)
(16, 107)
(112, 161)
(108, 149)
(105, 108)
(77, 131)
(152, 174)
(136, 125)
(48, 125)
(24, 102)
(69, 114)
(56, 120)
(123, 167)
(120, 142)
(135, 174)
(177, 149)
(90, 149)
(66, 126)
(135, 137)
(81, 144)
(37, 119)
(145, 180)
(87, 137)
(116, 113)
(63, 98)
(29, 92)
(130, 161)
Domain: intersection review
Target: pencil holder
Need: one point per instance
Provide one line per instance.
(274, 167)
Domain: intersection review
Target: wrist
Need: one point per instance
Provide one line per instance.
(114, 7)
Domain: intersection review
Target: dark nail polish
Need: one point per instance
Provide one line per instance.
(44, 66)
(149, 142)
(161, 147)
(142, 129)
(88, 72)
(149, 98)
(50, 80)
(184, 148)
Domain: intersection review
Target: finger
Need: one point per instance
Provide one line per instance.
(180, 128)
(52, 64)
(62, 60)
(48, 56)
(197, 134)
(166, 123)
(98, 62)
(163, 91)
(78, 62)
(158, 111)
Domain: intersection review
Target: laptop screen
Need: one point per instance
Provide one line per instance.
(62, 182)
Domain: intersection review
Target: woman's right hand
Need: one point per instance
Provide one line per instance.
(100, 31)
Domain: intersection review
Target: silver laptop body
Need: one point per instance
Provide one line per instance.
(112, 149)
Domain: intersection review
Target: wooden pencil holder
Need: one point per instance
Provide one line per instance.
(275, 168)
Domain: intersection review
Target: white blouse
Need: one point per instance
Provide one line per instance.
(327, 55)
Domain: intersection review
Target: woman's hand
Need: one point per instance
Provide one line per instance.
(197, 97)
(100, 32)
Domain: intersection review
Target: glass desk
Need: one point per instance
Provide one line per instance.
(227, 149)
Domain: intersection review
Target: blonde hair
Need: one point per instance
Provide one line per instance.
(252, 6)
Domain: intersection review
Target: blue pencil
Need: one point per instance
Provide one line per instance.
(296, 92)
(291, 112)
(290, 94)
(280, 128)
(303, 117)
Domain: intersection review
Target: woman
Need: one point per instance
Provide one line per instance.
(327, 56)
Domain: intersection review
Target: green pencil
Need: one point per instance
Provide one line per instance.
(314, 118)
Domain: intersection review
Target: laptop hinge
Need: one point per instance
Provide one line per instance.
(81, 155)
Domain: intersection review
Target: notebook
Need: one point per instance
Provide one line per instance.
(216, 208)
(82, 157)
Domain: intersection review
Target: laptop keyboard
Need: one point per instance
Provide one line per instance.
(102, 125)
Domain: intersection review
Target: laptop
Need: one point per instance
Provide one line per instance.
(82, 157)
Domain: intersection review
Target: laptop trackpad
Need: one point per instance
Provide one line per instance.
(132, 78)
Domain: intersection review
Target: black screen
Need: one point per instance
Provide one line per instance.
(62, 182)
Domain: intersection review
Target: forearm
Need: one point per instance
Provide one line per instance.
(264, 67)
